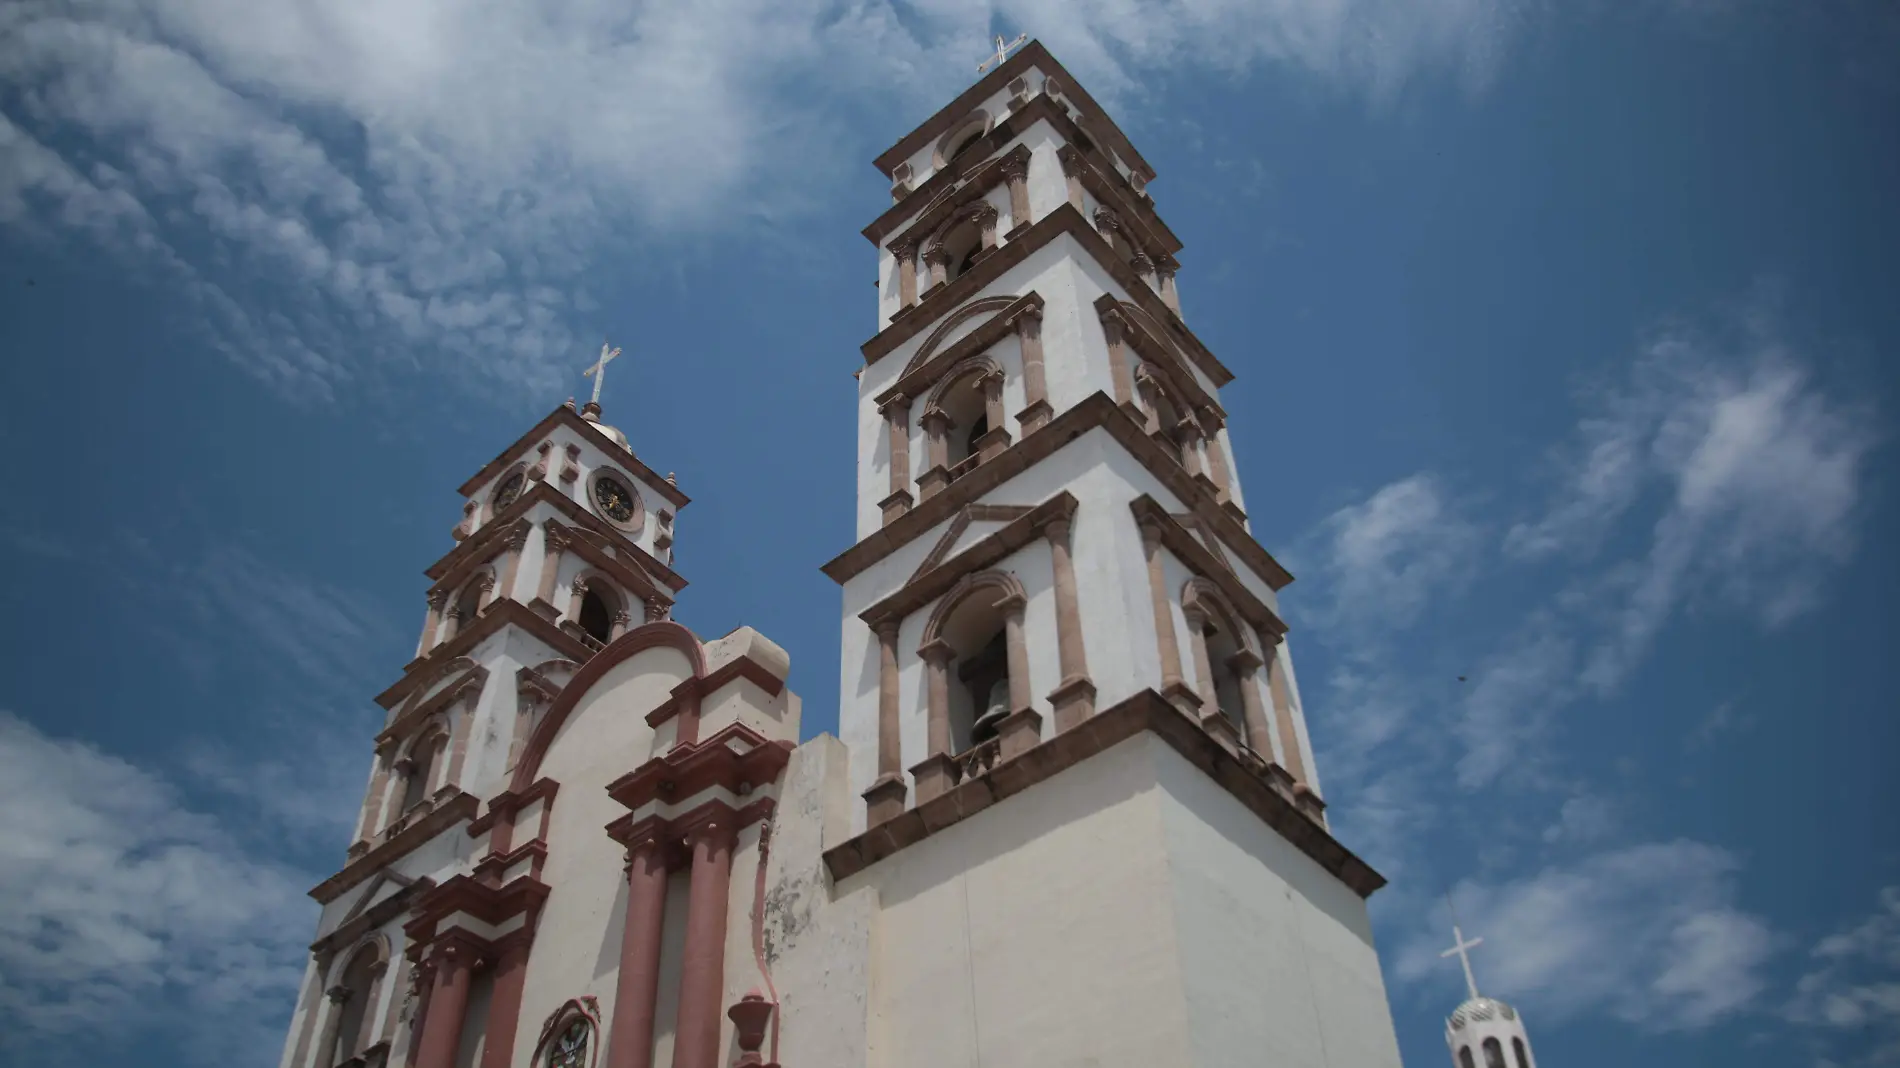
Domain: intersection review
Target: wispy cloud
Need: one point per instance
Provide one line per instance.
(333, 193)
(1386, 557)
(1850, 996)
(1649, 934)
(121, 910)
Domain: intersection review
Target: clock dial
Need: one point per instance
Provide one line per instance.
(509, 489)
(614, 500)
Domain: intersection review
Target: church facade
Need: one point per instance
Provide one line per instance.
(1071, 817)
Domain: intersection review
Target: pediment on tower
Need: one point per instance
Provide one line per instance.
(971, 524)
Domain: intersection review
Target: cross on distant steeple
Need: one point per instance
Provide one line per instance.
(1463, 957)
(598, 372)
(1002, 52)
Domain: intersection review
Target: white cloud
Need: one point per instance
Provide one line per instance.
(1385, 558)
(121, 909)
(1649, 934)
(1850, 996)
(336, 190)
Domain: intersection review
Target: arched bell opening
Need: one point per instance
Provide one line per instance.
(977, 670)
(419, 769)
(355, 986)
(963, 402)
(1465, 1059)
(961, 245)
(1493, 1054)
(1223, 645)
(596, 618)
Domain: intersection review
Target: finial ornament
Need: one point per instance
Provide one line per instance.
(1464, 958)
(598, 372)
(1002, 52)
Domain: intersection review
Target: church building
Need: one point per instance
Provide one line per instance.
(1071, 816)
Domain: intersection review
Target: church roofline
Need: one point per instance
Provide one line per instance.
(1064, 220)
(473, 548)
(563, 415)
(1030, 55)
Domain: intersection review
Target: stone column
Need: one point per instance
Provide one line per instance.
(1037, 412)
(554, 546)
(470, 696)
(453, 964)
(703, 961)
(1213, 719)
(1115, 329)
(985, 216)
(1246, 665)
(886, 795)
(1172, 686)
(1072, 171)
(996, 438)
(1016, 173)
(630, 1042)
(1144, 268)
(332, 1026)
(509, 567)
(1216, 455)
(933, 774)
(437, 598)
(528, 700)
(485, 584)
(1074, 697)
(621, 619)
(577, 592)
(897, 417)
(938, 260)
(936, 430)
(508, 981)
(1188, 432)
(1283, 712)
(906, 275)
(1164, 274)
(451, 622)
(1021, 730)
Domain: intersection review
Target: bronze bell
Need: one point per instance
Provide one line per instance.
(991, 720)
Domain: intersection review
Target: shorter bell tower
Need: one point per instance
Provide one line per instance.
(1484, 1032)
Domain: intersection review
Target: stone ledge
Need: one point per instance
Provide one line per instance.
(1145, 711)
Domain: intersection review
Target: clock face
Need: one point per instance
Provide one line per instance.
(614, 500)
(509, 489)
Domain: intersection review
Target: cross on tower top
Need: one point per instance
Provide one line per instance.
(1464, 958)
(1002, 52)
(598, 372)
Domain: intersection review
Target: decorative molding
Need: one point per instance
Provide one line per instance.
(565, 416)
(1189, 550)
(969, 513)
(928, 586)
(1146, 711)
(458, 809)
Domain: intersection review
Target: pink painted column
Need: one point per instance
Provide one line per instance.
(1074, 697)
(885, 797)
(630, 1042)
(433, 622)
(510, 980)
(906, 275)
(554, 546)
(448, 1005)
(703, 962)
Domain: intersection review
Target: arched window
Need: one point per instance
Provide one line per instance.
(1464, 1058)
(964, 403)
(422, 758)
(358, 987)
(961, 244)
(568, 1043)
(978, 427)
(969, 640)
(1517, 1049)
(595, 617)
(469, 602)
(985, 678)
(1493, 1054)
(1222, 646)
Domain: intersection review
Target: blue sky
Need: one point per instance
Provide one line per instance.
(1565, 338)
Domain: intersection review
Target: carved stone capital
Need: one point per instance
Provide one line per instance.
(579, 585)
(1015, 169)
(438, 598)
(337, 994)
(1106, 219)
(937, 255)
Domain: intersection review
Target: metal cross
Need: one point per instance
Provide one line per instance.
(1463, 957)
(1002, 52)
(598, 372)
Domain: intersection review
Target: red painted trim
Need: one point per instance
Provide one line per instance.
(656, 635)
(504, 1002)
(509, 802)
(489, 869)
(724, 675)
(684, 772)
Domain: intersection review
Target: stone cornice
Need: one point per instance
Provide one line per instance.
(500, 614)
(488, 904)
(1030, 55)
(1159, 351)
(350, 931)
(1096, 410)
(488, 540)
(1145, 711)
(1202, 561)
(568, 417)
(458, 809)
(946, 200)
(634, 580)
(406, 721)
(1065, 219)
(701, 687)
(915, 382)
(737, 758)
(928, 586)
(1115, 194)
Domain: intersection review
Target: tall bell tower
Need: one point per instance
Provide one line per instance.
(1082, 790)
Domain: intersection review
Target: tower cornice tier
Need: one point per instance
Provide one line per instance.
(500, 614)
(932, 581)
(1096, 410)
(1064, 220)
(443, 816)
(1033, 55)
(1146, 711)
(564, 416)
(489, 539)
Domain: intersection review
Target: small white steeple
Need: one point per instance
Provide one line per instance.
(1484, 1032)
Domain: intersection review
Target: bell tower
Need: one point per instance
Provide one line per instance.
(1050, 518)
(1081, 793)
